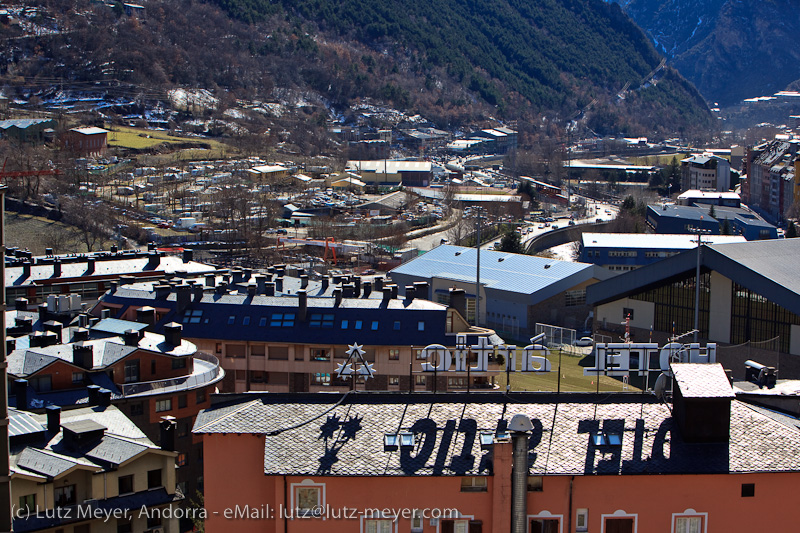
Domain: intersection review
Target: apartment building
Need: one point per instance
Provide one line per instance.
(90, 469)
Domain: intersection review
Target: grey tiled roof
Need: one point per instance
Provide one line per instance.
(699, 380)
(47, 463)
(315, 435)
(115, 450)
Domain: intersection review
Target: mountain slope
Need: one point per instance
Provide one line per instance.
(554, 56)
(730, 49)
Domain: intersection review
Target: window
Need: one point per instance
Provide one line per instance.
(240, 375)
(137, 409)
(183, 429)
(181, 459)
(218, 348)
(420, 326)
(394, 380)
(319, 320)
(262, 321)
(152, 366)
(374, 325)
(125, 484)
(377, 526)
(320, 378)
(64, 495)
(619, 525)
(279, 352)
(192, 317)
(306, 498)
(77, 378)
(154, 478)
(27, 503)
(574, 298)
(258, 376)
(320, 354)
(124, 525)
(231, 320)
(473, 484)
(178, 362)
(688, 524)
(163, 405)
(394, 354)
(131, 371)
(419, 355)
(282, 320)
(535, 483)
(748, 490)
(344, 324)
(544, 525)
(201, 396)
(582, 520)
(358, 324)
(246, 321)
(397, 325)
(459, 526)
(416, 520)
(419, 380)
(182, 402)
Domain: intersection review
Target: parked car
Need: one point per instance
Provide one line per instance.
(584, 341)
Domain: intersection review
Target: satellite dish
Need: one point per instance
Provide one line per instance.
(660, 388)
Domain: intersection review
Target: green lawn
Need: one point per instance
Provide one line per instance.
(139, 138)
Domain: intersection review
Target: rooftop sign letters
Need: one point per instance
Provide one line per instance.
(442, 359)
(624, 358)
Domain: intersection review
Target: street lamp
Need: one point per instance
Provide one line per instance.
(478, 270)
(699, 232)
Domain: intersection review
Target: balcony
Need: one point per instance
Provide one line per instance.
(206, 372)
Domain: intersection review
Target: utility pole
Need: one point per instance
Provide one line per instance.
(5, 468)
(478, 272)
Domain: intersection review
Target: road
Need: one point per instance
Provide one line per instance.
(595, 210)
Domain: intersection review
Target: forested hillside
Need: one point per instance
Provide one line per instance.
(456, 62)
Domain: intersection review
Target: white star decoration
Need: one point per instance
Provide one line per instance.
(355, 363)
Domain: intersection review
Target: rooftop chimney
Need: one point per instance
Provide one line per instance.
(421, 289)
(113, 286)
(261, 283)
(104, 397)
(11, 345)
(21, 392)
(188, 255)
(42, 308)
(94, 394)
(131, 337)
(269, 288)
(458, 301)
(378, 281)
(83, 355)
(211, 280)
(197, 292)
(325, 282)
(387, 294)
(410, 292)
(21, 304)
(114, 249)
(304, 281)
(367, 289)
(348, 289)
(337, 296)
(167, 430)
(302, 304)
(153, 260)
(105, 313)
(701, 401)
(80, 334)
(26, 269)
(279, 284)
(357, 286)
(90, 265)
(151, 246)
(146, 315)
(183, 297)
(53, 418)
(252, 288)
(162, 291)
(57, 268)
(394, 291)
(126, 280)
(172, 333)
(520, 427)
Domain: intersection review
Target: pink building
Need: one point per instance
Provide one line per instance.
(464, 463)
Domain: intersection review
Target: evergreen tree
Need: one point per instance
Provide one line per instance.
(511, 242)
(726, 227)
(711, 212)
